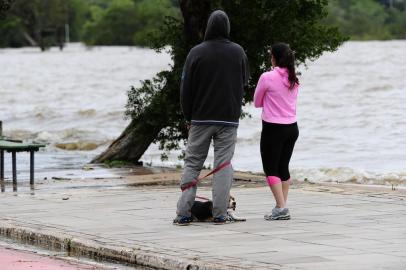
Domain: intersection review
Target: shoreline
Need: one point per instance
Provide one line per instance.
(133, 176)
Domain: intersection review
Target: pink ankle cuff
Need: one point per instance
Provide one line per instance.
(273, 180)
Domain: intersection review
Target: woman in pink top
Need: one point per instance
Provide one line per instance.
(276, 94)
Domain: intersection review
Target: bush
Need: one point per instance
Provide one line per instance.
(112, 26)
(11, 31)
(367, 19)
(125, 22)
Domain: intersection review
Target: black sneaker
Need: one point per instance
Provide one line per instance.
(182, 221)
(220, 220)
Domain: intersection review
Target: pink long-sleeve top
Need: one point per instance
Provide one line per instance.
(277, 99)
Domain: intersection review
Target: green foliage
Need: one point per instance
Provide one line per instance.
(367, 19)
(151, 16)
(126, 22)
(112, 26)
(13, 26)
(256, 25)
(96, 22)
(11, 33)
(136, 22)
(34, 21)
(77, 17)
(4, 7)
(396, 23)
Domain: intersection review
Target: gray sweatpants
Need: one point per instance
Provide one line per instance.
(200, 136)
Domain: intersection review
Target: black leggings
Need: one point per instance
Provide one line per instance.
(277, 143)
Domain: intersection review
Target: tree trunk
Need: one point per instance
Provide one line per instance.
(30, 39)
(139, 134)
(131, 144)
(195, 14)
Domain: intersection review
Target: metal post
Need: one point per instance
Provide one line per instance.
(67, 37)
(1, 161)
(14, 163)
(1, 165)
(2, 184)
(32, 167)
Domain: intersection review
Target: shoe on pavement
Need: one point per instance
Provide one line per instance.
(220, 220)
(182, 221)
(278, 214)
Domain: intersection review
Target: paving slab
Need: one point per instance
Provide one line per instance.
(344, 229)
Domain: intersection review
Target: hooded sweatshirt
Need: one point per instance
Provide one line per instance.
(274, 95)
(214, 77)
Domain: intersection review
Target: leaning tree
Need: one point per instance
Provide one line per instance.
(154, 107)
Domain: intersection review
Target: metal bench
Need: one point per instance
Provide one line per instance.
(12, 146)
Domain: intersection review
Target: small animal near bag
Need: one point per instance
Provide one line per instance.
(202, 211)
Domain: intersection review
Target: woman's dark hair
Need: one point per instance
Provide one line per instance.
(285, 58)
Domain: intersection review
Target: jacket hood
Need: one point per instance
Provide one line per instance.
(218, 26)
(283, 72)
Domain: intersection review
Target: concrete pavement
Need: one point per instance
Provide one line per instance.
(331, 228)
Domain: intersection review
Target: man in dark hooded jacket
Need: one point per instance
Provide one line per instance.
(213, 81)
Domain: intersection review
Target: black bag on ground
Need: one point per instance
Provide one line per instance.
(202, 211)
